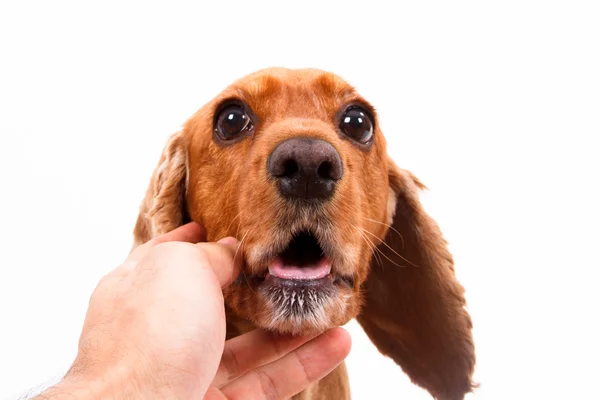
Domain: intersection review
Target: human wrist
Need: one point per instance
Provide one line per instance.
(120, 383)
(65, 390)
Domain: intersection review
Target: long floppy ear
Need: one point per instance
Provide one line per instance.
(414, 310)
(163, 209)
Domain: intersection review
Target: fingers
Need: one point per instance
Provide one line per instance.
(294, 372)
(224, 258)
(192, 232)
(253, 350)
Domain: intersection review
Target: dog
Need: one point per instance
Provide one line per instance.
(293, 163)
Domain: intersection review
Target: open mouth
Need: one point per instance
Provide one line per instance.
(302, 260)
(301, 285)
(304, 263)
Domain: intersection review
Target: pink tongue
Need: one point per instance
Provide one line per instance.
(314, 271)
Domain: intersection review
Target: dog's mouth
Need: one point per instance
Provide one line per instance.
(303, 263)
(301, 285)
(302, 260)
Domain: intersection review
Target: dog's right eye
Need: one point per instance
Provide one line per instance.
(232, 121)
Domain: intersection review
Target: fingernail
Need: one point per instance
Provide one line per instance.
(229, 241)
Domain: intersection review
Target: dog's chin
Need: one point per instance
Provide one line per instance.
(309, 306)
(301, 291)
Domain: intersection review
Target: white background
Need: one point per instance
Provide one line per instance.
(494, 105)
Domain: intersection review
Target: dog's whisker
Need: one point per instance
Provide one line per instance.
(243, 273)
(238, 225)
(240, 245)
(371, 245)
(391, 249)
(389, 226)
(378, 250)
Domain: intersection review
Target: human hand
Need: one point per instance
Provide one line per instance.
(155, 328)
(263, 365)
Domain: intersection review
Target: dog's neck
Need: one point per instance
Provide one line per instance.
(236, 326)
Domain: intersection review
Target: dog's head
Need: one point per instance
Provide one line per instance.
(293, 163)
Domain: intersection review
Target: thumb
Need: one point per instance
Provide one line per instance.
(192, 232)
(224, 258)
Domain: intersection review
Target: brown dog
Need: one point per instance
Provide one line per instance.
(293, 163)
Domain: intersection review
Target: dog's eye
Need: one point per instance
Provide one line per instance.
(356, 123)
(232, 120)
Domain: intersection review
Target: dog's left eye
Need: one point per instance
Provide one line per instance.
(232, 120)
(357, 124)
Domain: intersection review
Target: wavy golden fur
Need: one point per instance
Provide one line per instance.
(403, 289)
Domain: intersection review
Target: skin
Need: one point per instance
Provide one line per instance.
(373, 229)
(155, 328)
(226, 187)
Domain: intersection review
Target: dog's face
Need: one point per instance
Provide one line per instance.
(293, 164)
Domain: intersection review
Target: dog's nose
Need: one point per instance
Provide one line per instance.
(305, 168)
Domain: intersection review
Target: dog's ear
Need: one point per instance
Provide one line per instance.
(163, 209)
(414, 310)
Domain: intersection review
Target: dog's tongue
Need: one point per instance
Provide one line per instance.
(313, 271)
